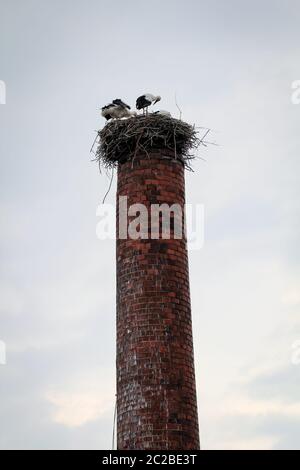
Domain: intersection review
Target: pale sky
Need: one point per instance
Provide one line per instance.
(232, 65)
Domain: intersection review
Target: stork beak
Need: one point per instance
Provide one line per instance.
(155, 101)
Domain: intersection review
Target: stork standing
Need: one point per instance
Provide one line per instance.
(144, 101)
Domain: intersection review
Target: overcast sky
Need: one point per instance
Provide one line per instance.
(232, 65)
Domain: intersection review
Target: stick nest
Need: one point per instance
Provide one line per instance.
(122, 140)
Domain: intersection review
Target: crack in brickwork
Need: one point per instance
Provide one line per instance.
(156, 393)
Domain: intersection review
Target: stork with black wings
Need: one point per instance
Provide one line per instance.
(117, 109)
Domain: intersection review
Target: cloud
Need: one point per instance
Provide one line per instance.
(260, 411)
(77, 408)
(259, 443)
(291, 297)
(52, 398)
(255, 408)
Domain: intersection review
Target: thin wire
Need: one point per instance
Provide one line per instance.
(111, 180)
(114, 426)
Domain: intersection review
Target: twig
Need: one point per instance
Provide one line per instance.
(112, 175)
(137, 146)
(180, 113)
(206, 133)
(97, 135)
(175, 152)
(210, 143)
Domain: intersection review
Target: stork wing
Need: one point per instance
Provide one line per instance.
(121, 103)
(110, 105)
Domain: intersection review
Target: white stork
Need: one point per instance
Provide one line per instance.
(162, 112)
(144, 101)
(116, 110)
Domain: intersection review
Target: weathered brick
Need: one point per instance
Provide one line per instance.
(156, 393)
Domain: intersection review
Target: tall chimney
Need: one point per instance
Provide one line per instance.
(156, 392)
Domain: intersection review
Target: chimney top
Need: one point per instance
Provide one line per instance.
(122, 140)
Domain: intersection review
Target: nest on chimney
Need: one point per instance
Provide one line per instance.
(121, 140)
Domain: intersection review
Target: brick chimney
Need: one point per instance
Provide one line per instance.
(156, 392)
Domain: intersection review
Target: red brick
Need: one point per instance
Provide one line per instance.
(156, 392)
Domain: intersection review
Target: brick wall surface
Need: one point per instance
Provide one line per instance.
(156, 396)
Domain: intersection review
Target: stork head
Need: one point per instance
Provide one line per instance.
(157, 98)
